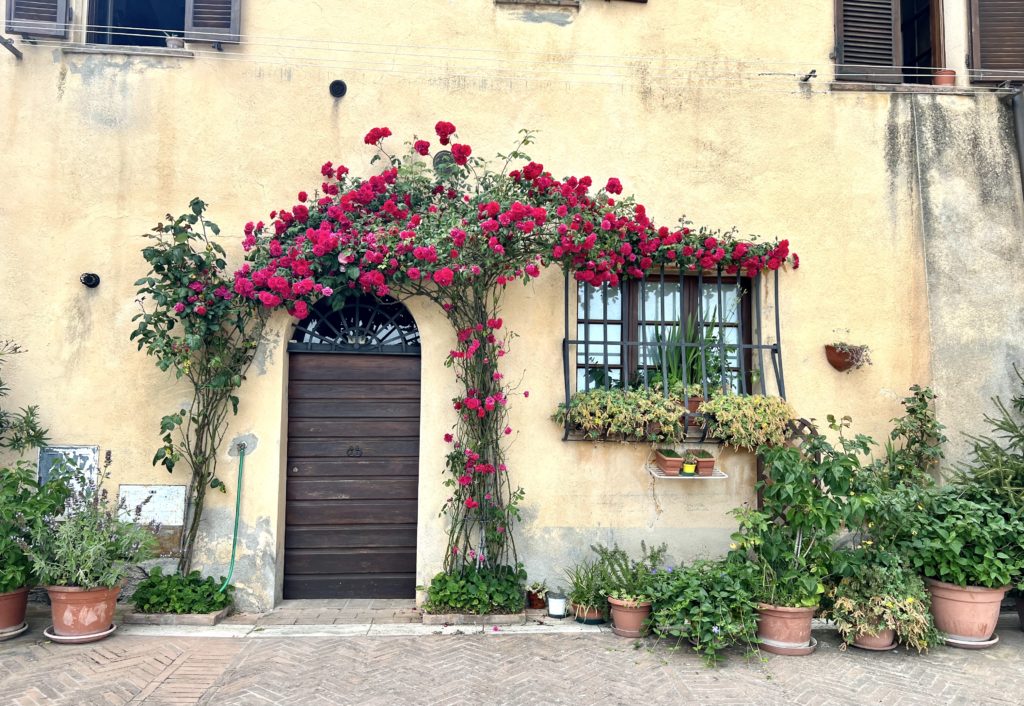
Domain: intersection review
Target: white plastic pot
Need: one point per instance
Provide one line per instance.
(556, 606)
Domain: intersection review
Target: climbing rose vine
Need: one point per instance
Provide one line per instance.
(449, 227)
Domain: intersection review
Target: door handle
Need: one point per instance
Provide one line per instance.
(354, 451)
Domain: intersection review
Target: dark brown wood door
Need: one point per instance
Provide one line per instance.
(353, 471)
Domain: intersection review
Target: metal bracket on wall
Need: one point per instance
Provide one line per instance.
(9, 46)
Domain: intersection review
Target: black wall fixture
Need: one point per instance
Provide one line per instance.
(338, 88)
(90, 280)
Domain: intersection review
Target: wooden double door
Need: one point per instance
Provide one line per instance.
(353, 475)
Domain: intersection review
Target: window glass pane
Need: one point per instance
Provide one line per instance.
(597, 297)
(593, 377)
(710, 299)
(658, 294)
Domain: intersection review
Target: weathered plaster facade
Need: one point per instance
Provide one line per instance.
(905, 209)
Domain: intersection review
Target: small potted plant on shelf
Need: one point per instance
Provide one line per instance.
(626, 584)
(585, 592)
(704, 462)
(845, 356)
(83, 557)
(882, 604)
(807, 499)
(536, 595)
(24, 507)
(689, 464)
(669, 461)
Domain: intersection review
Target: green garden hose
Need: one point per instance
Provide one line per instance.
(238, 502)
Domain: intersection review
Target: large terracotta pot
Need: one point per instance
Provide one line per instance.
(783, 630)
(881, 641)
(80, 611)
(965, 613)
(628, 617)
(588, 616)
(12, 609)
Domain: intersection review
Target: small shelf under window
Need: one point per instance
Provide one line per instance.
(660, 474)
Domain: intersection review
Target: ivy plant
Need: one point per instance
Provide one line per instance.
(478, 590)
(175, 593)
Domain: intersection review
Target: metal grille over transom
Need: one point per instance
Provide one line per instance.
(353, 445)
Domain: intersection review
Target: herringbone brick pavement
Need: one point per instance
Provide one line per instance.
(490, 668)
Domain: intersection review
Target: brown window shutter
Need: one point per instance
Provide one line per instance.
(213, 20)
(868, 41)
(997, 40)
(37, 18)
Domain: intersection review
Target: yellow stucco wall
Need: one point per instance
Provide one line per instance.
(97, 147)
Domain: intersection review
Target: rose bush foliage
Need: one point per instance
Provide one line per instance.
(458, 232)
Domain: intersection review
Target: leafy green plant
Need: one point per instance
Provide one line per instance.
(174, 593)
(624, 578)
(19, 431)
(585, 588)
(747, 421)
(996, 467)
(24, 508)
(194, 325)
(476, 590)
(950, 537)
(808, 496)
(538, 588)
(709, 603)
(91, 546)
(884, 596)
(914, 450)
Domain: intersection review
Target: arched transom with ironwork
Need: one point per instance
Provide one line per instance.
(358, 324)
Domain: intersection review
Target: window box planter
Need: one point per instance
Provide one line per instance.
(668, 461)
(204, 619)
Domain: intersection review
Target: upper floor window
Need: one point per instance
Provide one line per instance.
(997, 40)
(129, 22)
(888, 41)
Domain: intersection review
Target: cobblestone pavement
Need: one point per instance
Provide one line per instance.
(480, 665)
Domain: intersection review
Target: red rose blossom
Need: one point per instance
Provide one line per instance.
(461, 153)
(422, 146)
(444, 131)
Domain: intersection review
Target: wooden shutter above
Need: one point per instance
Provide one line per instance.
(37, 18)
(212, 20)
(868, 41)
(997, 40)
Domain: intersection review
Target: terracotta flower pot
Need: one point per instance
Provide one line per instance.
(840, 360)
(81, 611)
(881, 641)
(12, 608)
(534, 601)
(965, 613)
(668, 464)
(783, 630)
(944, 77)
(692, 406)
(628, 618)
(705, 467)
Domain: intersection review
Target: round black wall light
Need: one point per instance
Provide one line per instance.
(90, 280)
(338, 88)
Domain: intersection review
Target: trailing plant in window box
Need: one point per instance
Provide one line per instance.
(174, 593)
(747, 421)
(629, 415)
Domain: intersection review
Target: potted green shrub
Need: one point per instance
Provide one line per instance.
(881, 605)
(626, 583)
(24, 507)
(747, 421)
(536, 595)
(585, 592)
(968, 550)
(807, 499)
(83, 557)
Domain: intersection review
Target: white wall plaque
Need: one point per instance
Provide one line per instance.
(166, 506)
(86, 458)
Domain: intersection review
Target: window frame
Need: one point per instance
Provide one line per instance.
(977, 73)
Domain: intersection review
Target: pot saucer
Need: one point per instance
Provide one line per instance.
(893, 646)
(791, 651)
(13, 632)
(971, 644)
(77, 639)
